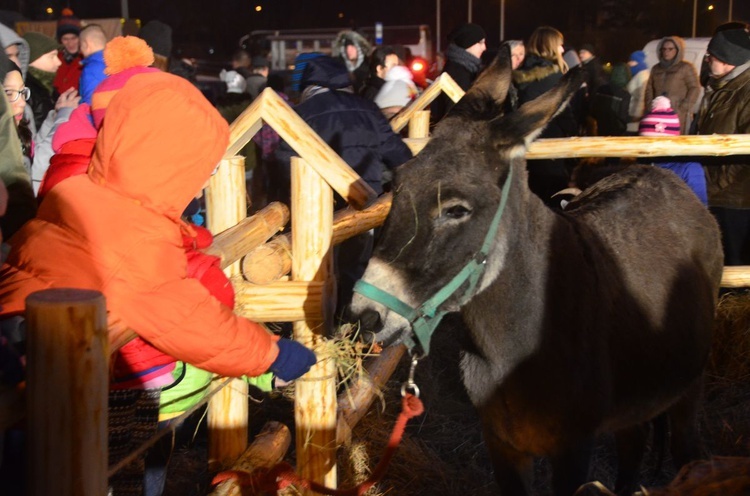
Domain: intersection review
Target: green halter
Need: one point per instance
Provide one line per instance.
(425, 319)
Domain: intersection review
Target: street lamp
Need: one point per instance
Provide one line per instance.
(695, 15)
(502, 20)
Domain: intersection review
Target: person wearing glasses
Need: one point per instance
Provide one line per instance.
(18, 94)
(675, 78)
(14, 176)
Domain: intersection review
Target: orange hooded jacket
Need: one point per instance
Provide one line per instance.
(118, 230)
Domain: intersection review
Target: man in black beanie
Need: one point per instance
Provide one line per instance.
(463, 63)
(724, 110)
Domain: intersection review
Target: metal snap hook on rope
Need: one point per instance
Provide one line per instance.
(410, 385)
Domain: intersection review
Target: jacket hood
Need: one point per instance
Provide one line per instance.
(159, 143)
(534, 68)
(351, 38)
(9, 37)
(345, 37)
(326, 72)
(679, 43)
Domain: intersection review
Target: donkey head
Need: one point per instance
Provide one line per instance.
(445, 199)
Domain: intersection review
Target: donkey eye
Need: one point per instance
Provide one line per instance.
(456, 212)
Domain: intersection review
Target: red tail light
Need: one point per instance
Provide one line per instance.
(418, 66)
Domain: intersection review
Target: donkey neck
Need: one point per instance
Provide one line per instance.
(518, 263)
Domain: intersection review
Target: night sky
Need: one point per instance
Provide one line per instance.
(617, 27)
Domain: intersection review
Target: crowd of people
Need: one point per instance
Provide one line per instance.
(107, 142)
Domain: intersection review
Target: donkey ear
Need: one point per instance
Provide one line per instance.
(484, 100)
(525, 124)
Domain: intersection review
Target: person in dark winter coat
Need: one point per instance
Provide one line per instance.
(542, 68)
(358, 131)
(354, 127)
(611, 103)
(463, 63)
(352, 49)
(43, 64)
(595, 76)
(725, 110)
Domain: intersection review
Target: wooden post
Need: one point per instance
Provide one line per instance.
(226, 199)
(236, 242)
(273, 260)
(68, 383)
(315, 393)
(356, 403)
(226, 206)
(419, 124)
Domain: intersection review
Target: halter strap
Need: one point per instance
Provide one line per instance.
(425, 318)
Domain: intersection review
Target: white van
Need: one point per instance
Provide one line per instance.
(695, 49)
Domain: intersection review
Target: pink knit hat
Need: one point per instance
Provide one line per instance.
(661, 121)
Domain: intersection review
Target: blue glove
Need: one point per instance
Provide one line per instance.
(293, 360)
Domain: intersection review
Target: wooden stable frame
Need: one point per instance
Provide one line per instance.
(306, 299)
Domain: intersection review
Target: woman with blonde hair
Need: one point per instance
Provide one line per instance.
(541, 69)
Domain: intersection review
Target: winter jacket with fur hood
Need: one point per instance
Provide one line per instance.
(117, 229)
(677, 80)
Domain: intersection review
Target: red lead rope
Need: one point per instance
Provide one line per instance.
(264, 480)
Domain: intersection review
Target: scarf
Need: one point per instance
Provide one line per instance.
(458, 55)
(45, 78)
(718, 83)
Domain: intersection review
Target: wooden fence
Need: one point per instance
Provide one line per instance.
(322, 420)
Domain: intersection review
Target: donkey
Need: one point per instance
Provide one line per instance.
(591, 320)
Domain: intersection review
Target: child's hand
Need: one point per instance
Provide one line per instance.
(69, 98)
(294, 360)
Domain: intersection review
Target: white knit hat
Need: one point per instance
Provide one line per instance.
(235, 82)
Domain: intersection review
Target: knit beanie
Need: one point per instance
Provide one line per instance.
(467, 35)
(259, 62)
(39, 44)
(661, 121)
(639, 62)
(398, 90)
(158, 36)
(234, 81)
(731, 47)
(124, 56)
(68, 23)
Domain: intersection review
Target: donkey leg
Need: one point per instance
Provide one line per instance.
(683, 418)
(513, 469)
(631, 446)
(570, 468)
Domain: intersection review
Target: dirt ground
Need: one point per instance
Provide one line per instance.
(442, 453)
